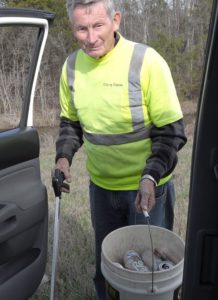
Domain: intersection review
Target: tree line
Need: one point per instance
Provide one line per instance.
(177, 29)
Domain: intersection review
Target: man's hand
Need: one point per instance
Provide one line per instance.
(63, 165)
(145, 198)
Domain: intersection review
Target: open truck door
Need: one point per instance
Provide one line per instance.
(23, 197)
(201, 257)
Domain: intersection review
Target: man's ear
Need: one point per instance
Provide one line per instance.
(117, 20)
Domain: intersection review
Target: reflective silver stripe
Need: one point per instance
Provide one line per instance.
(71, 61)
(119, 138)
(135, 96)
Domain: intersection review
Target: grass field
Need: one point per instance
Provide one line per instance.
(76, 251)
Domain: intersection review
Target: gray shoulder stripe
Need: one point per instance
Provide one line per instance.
(135, 97)
(71, 61)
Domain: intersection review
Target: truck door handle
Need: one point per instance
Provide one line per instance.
(7, 220)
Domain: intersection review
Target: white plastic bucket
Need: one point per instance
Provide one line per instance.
(131, 285)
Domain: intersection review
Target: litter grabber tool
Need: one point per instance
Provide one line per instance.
(57, 183)
(147, 217)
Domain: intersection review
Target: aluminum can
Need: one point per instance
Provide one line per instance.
(165, 265)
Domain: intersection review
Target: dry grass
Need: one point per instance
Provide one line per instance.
(181, 181)
(76, 253)
(183, 169)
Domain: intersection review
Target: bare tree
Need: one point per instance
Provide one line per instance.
(175, 28)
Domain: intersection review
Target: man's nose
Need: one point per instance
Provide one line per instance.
(91, 36)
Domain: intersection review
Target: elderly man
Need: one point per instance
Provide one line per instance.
(118, 98)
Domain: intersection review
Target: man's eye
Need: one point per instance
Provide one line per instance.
(98, 25)
(81, 28)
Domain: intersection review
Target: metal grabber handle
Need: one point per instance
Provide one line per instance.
(57, 183)
(152, 249)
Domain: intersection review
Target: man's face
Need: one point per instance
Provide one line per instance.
(94, 29)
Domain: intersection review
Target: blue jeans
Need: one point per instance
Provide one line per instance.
(111, 210)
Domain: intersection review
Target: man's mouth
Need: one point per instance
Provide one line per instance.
(92, 48)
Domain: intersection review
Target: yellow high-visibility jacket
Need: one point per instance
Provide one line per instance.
(117, 99)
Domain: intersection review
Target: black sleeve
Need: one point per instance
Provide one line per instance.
(70, 139)
(166, 142)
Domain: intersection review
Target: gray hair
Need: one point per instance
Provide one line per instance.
(71, 5)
